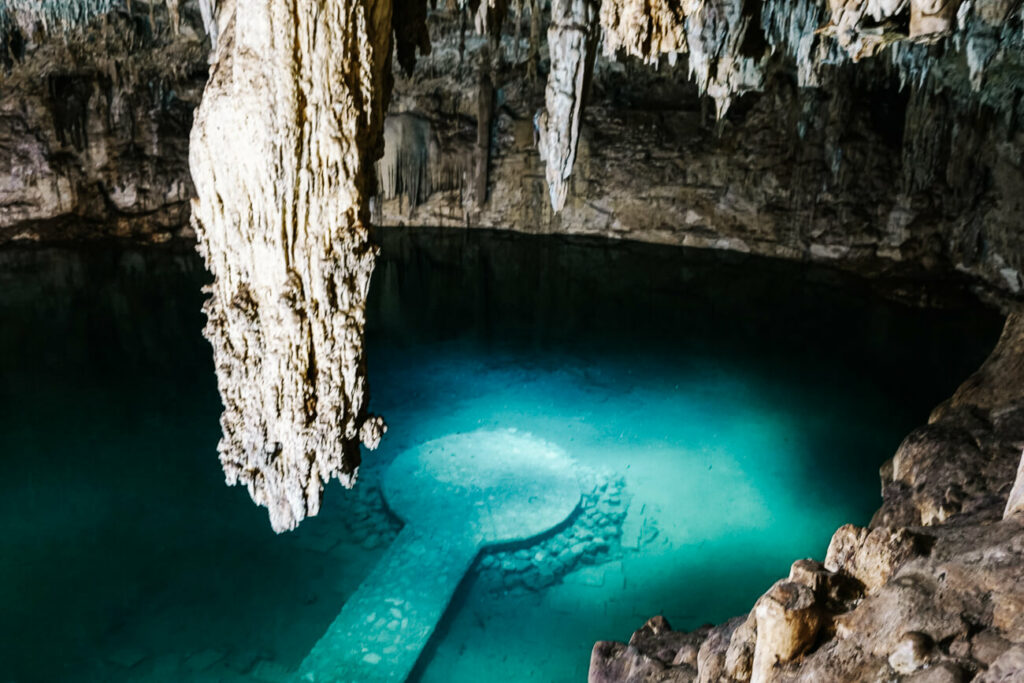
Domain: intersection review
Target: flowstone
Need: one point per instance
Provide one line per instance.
(457, 495)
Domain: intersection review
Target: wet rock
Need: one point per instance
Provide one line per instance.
(655, 652)
(943, 672)
(812, 574)
(686, 655)
(962, 463)
(612, 662)
(654, 627)
(835, 591)
(987, 646)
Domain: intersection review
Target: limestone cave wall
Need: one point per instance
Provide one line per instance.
(94, 123)
(904, 162)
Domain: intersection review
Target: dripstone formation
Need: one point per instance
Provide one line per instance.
(281, 219)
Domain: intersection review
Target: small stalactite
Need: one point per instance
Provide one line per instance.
(463, 21)
(409, 22)
(174, 15)
(485, 116)
(208, 12)
(410, 152)
(517, 31)
(572, 41)
(533, 55)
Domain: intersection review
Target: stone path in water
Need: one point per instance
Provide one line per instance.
(457, 495)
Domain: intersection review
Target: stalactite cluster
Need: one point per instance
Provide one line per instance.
(61, 15)
(405, 169)
(54, 14)
(730, 46)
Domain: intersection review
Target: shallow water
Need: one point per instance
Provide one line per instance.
(744, 404)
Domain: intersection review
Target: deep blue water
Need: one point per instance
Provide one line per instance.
(745, 403)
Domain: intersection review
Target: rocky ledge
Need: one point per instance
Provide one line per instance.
(932, 589)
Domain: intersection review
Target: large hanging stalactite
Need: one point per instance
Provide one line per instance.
(282, 155)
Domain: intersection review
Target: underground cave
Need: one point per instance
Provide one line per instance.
(564, 340)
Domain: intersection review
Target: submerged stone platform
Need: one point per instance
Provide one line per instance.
(457, 495)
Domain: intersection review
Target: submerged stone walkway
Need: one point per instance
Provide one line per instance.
(456, 495)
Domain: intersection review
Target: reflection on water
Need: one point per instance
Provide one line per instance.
(726, 414)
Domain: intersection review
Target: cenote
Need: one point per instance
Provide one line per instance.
(724, 415)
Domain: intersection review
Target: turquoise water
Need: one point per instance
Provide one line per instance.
(744, 405)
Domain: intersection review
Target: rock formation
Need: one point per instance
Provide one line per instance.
(94, 121)
(875, 165)
(281, 218)
(572, 39)
(880, 166)
(931, 590)
(732, 47)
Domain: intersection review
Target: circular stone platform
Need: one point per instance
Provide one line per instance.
(492, 486)
(457, 495)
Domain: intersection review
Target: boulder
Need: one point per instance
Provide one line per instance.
(713, 652)
(788, 620)
(739, 657)
(872, 556)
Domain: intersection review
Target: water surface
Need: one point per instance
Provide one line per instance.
(745, 403)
